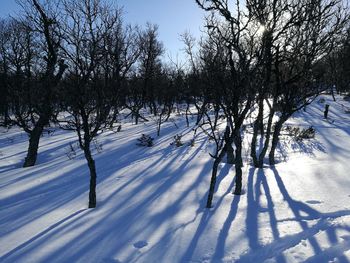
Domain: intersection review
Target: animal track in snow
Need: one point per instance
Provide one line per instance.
(140, 244)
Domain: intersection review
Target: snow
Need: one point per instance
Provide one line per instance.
(151, 200)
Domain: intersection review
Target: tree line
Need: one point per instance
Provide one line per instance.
(76, 64)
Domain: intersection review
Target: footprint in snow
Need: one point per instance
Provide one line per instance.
(140, 244)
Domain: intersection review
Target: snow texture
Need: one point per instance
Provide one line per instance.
(151, 200)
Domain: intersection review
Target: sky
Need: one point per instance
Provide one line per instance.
(173, 17)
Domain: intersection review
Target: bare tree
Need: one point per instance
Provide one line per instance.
(149, 63)
(100, 56)
(31, 61)
(312, 31)
(234, 31)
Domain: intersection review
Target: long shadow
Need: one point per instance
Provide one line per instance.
(201, 211)
(9, 167)
(224, 232)
(254, 194)
(252, 211)
(271, 211)
(277, 247)
(298, 208)
(59, 191)
(187, 256)
(104, 233)
(41, 234)
(207, 214)
(130, 217)
(302, 213)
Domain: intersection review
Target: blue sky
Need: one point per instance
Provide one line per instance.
(172, 16)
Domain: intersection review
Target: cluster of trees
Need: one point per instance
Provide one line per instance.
(76, 57)
(266, 58)
(76, 64)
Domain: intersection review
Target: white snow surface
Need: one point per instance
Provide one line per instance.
(151, 200)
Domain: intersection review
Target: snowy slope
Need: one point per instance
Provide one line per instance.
(151, 201)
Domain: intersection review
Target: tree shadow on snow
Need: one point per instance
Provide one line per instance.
(302, 213)
(207, 214)
(102, 225)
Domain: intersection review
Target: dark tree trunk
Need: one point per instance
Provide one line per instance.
(228, 146)
(230, 153)
(253, 144)
(34, 138)
(238, 181)
(93, 175)
(212, 182)
(275, 139)
(159, 125)
(325, 114)
(267, 140)
(187, 109)
(257, 126)
(200, 113)
(332, 92)
(213, 177)
(154, 106)
(7, 120)
(137, 117)
(238, 163)
(216, 110)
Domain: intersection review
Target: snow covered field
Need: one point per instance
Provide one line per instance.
(151, 200)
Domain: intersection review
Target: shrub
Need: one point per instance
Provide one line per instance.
(145, 140)
(300, 134)
(71, 151)
(177, 140)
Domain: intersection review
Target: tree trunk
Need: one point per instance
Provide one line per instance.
(257, 126)
(159, 124)
(34, 138)
(213, 177)
(332, 92)
(325, 113)
(230, 153)
(238, 181)
(253, 144)
(275, 139)
(93, 175)
(267, 141)
(230, 156)
(238, 163)
(200, 112)
(216, 110)
(154, 105)
(187, 121)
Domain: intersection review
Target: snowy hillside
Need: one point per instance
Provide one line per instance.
(151, 200)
